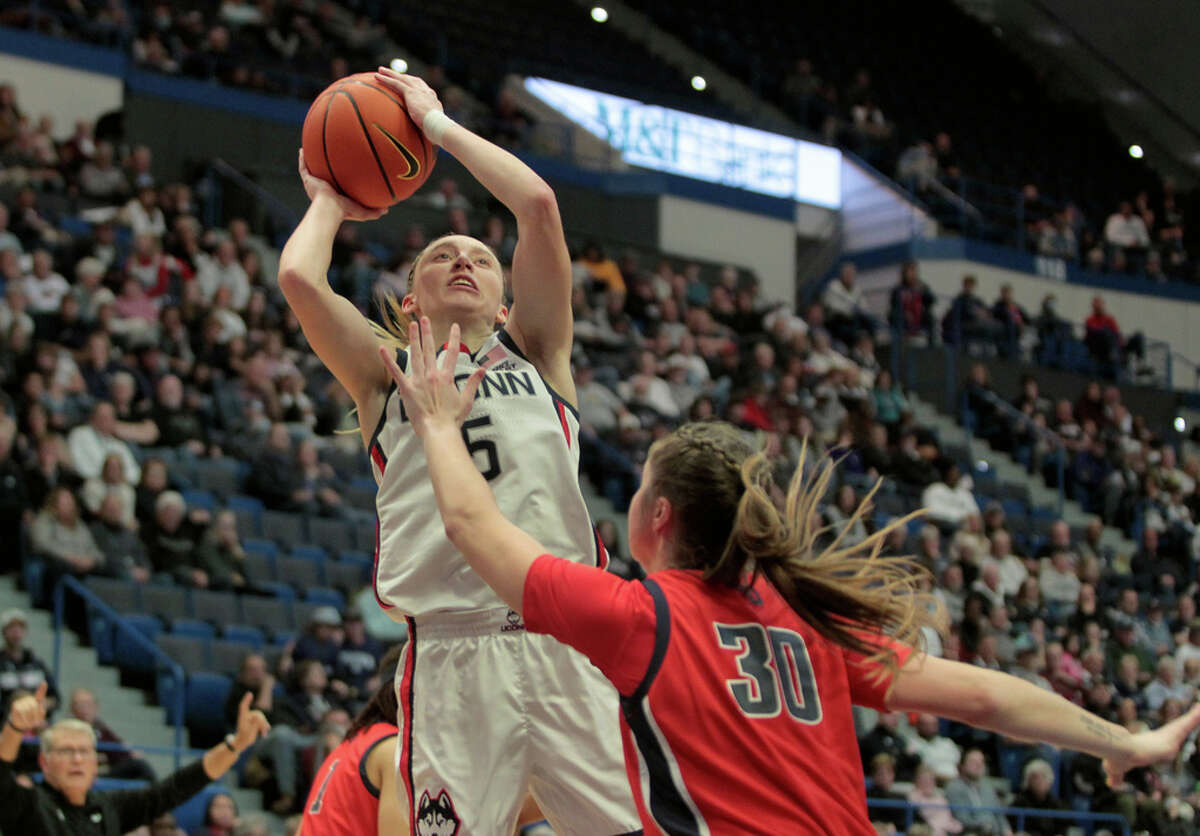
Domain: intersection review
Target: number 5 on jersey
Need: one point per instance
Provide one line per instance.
(773, 662)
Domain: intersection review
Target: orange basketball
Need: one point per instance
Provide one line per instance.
(358, 136)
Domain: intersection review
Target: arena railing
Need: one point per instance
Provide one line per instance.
(1086, 820)
(175, 672)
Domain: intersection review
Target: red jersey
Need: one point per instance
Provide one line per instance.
(343, 801)
(735, 713)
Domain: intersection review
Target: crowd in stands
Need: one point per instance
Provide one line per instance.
(144, 333)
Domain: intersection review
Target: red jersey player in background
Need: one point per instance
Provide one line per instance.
(739, 657)
(354, 792)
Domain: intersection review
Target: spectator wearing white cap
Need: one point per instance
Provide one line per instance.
(20, 669)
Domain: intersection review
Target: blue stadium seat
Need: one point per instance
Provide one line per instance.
(314, 553)
(244, 633)
(284, 527)
(279, 590)
(271, 615)
(215, 607)
(130, 655)
(301, 572)
(248, 511)
(204, 705)
(325, 595)
(348, 577)
(333, 535)
(205, 500)
(362, 559)
(267, 548)
(190, 652)
(164, 601)
(192, 627)
(259, 569)
(227, 656)
(221, 476)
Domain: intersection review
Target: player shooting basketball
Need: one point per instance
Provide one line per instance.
(487, 710)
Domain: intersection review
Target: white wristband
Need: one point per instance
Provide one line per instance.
(435, 124)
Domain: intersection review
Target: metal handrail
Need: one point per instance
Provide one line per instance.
(161, 659)
(1021, 813)
(1025, 422)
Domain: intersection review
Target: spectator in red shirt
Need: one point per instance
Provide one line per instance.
(912, 304)
(736, 593)
(1108, 347)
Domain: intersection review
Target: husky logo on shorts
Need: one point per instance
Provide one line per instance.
(514, 622)
(436, 816)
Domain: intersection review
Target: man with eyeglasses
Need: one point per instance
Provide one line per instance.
(66, 804)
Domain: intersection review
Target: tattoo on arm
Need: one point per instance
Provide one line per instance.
(1098, 728)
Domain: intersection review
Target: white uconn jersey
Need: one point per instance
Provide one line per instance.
(524, 439)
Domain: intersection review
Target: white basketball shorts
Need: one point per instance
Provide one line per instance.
(489, 712)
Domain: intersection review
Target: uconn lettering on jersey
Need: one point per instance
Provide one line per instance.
(495, 384)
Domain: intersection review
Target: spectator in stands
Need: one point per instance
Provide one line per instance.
(1012, 318)
(1105, 342)
(969, 321)
(883, 779)
(44, 286)
(1125, 234)
(602, 270)
(59, 535)
(884, 739)
(911, 304)
(1153, 570)
(1010, 568)
(220, 554)
(274, 479)
(839, 516)
(101, 178)
(49, 470)
(1037, 783)
(888, 398)
(224, 271)
(66, 803)
(114, 762)
(220, 816)
(90, 444)
(939, 753)
(318, 494)
(1123, 645)
(973, 789)
(846, 316)
(110, 481)
(8, 241)
(321, 640)
(20, 668)
(1166, 686)
(14, 495)
(949, 501)
(302, 710)
(178, 425)
(1060, 585)
(172, 540)
(124, 552)
(358, 658)
(930, 803)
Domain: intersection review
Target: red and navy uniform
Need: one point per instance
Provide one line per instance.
(343, 801)
(735, 713)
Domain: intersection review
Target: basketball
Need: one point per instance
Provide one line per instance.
(358, 136)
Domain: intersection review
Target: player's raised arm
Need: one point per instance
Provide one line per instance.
(540, 319)
(496, 549)
(337, 331)
(1013, 707)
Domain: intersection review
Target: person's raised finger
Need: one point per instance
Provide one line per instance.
(244, 705)
(450, 360)
(428, 346)
(415, 358)
(469, 389)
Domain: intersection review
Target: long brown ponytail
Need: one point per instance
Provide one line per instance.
(730, 527)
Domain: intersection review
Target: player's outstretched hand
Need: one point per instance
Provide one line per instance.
(251, 724)
(316, 188)
(1150, 747)
(418, 96)
(430, 395)
(28, 713)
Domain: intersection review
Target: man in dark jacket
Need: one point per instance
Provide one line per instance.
(20, 668)
(66, 805)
